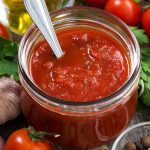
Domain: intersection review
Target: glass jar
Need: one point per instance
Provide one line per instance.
(18, 19)
(81, 125)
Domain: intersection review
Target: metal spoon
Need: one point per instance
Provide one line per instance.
(40, 15)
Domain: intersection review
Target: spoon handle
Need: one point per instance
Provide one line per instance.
(40, 15)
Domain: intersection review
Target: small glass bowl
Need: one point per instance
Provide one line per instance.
(132, 134)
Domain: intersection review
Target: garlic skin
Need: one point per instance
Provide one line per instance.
(10, 92)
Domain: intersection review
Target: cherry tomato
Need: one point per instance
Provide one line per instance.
(96, 3)
(146, 21)
(127, 10)
(3, 31)
(20, 140)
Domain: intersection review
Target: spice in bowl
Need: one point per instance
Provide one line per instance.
(136, 137)
(144, 143)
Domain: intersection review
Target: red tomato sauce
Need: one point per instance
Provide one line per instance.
(94, 65)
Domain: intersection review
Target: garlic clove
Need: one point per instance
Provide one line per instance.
(10, 93)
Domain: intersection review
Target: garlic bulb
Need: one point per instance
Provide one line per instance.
(10, 92)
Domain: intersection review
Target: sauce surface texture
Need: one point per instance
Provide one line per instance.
(94, 65)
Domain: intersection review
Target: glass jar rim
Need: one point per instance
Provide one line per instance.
(104, 101)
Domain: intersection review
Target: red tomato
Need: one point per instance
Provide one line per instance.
(127, 10)
(19, 140)
(146, 21)
(96, 3)
(4, 32)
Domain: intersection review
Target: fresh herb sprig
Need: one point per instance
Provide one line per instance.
(144, 83)
(8, 55)
(140, 35)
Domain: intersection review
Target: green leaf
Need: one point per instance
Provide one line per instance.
(9, 69)
(140, 35)
(145, 68)
(144, 84)
(146, 99)
(148, 83)
(65, 2)
(145, 51)
(144, 76)
(9, 51)
(8, 48)
(8, 55)
(3, 41)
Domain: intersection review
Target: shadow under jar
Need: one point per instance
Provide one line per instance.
(86, 123)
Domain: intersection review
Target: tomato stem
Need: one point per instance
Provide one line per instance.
(37, 136)
(138, 1)
(146, 6)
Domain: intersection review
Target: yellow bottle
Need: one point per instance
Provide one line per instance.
(18, 18)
